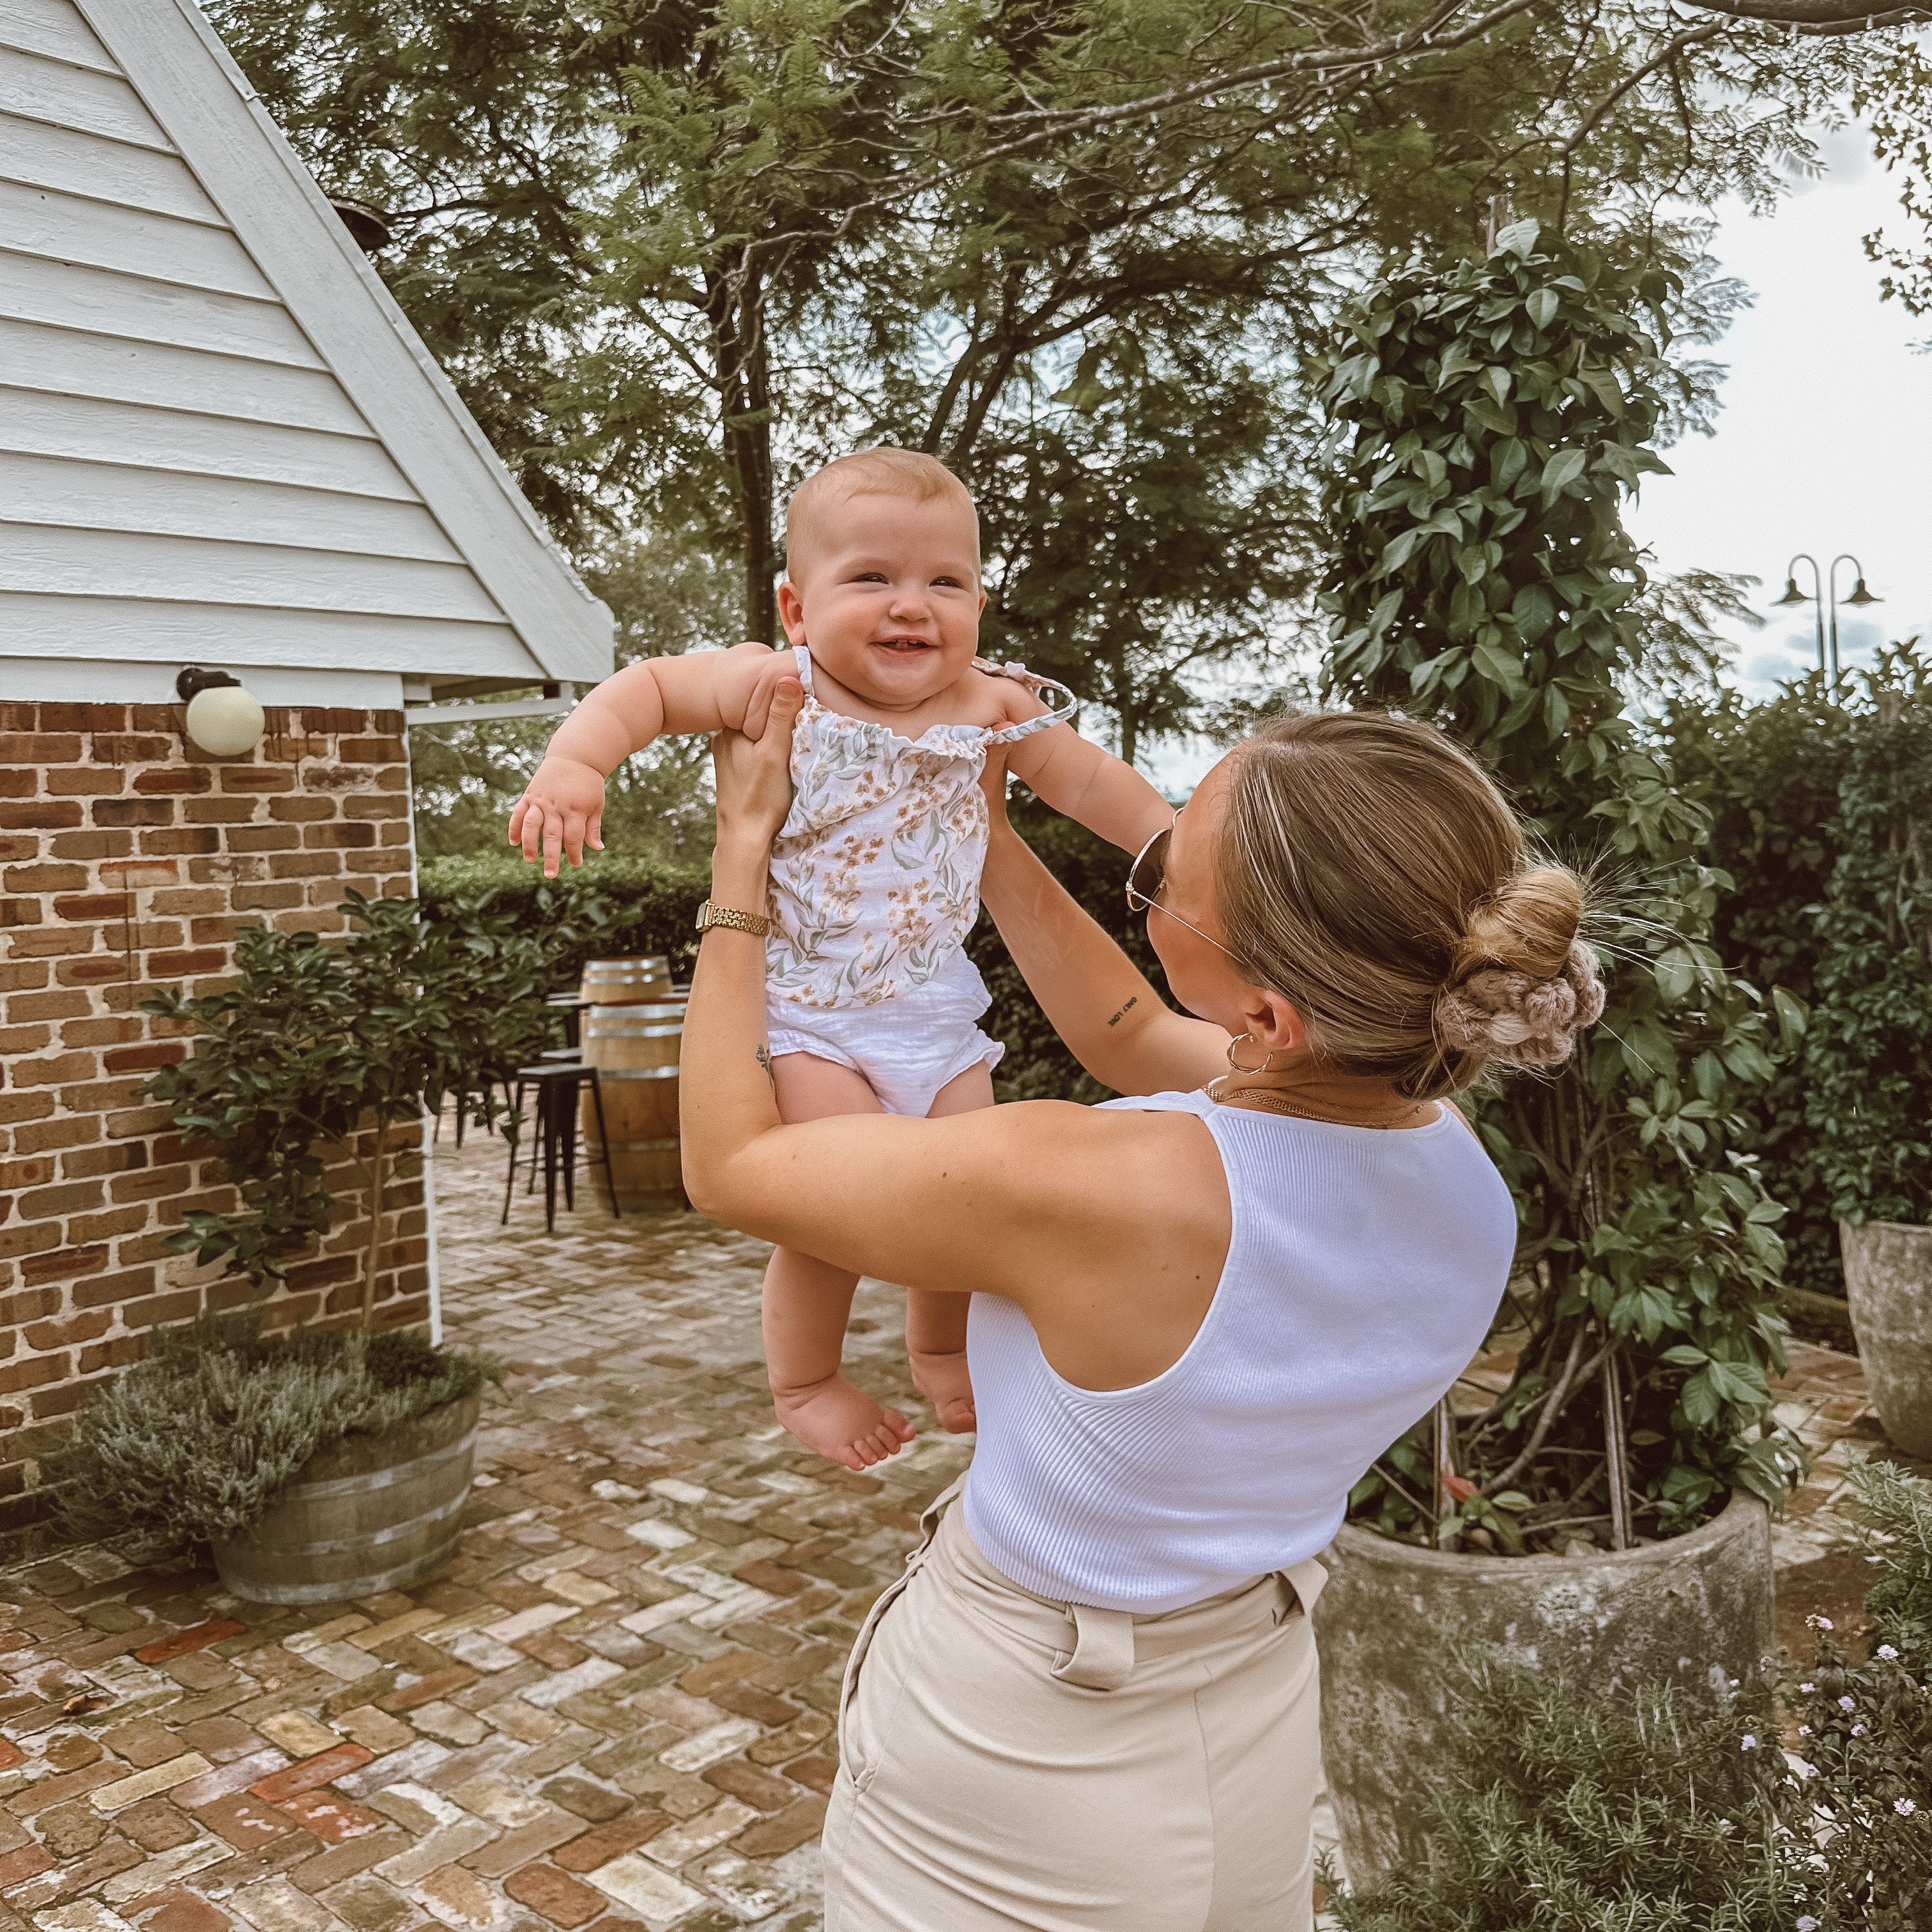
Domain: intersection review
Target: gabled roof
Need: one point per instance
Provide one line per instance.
(220, 440)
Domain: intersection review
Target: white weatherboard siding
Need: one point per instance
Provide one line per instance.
(220, 441)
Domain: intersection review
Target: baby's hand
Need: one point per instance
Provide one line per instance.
(561, 812)
(758, 706)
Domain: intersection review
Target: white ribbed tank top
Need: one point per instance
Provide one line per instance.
(1363, 1269)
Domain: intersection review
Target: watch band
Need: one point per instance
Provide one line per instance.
(753, 922)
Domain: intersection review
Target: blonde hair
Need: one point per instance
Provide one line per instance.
(1374, 876)
(885, 472)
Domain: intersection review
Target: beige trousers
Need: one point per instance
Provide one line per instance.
(1009, 1762)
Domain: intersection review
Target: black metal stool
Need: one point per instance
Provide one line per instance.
(573, 1009)
(556, 1083)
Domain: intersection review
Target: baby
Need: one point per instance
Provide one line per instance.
(873, 1005)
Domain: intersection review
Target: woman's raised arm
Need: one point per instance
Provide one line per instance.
(1100, 1004)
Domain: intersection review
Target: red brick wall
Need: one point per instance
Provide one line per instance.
(129, 859)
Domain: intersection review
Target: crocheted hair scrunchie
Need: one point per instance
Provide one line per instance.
(1514, 1016)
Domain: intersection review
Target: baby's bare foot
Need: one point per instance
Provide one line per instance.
(943, 1381)
(833, 1419)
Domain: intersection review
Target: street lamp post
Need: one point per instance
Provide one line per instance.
(1824, 590)
(1793, 594)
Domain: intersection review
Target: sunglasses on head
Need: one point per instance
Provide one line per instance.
(1148, 873)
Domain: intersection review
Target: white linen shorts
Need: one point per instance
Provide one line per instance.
(907, 1048)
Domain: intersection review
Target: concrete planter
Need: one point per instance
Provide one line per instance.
(1694, 1611)
(367, 1514)
(1888, 1282)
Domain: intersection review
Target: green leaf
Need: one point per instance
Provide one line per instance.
(1676, 974)
(1793, 1017)
(1602, 384)
(1562, 470)
(1500, 667)
(1520, 238)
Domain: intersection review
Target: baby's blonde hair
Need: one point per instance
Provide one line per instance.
(885, 472)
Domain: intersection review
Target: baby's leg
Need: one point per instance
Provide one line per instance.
(806, 1302)
(936, 1323)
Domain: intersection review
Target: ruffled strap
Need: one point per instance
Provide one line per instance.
(1055, 714)
(801, 656)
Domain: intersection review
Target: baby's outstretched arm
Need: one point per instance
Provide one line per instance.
(1105, 793)
(562, 808)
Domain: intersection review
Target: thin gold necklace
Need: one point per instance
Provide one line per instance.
(1262, 1097)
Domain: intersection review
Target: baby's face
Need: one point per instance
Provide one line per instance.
(888, 598)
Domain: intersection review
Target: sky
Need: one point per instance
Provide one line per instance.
(1822, 442)
(1824, 438)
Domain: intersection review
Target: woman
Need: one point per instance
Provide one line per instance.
(1198, 1314)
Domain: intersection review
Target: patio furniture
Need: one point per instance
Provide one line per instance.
(636, 1047)
(620, 982)
(571, 1007)
(556, 1083)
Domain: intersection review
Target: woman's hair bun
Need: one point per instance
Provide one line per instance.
(1523, 985)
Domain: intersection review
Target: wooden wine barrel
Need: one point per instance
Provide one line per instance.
(618, 982)
(367, 1514)
(635, 1049)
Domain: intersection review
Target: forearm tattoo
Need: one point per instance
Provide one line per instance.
(1123, 1013)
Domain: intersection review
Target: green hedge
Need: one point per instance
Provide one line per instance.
(1823, 823)
(608, 907)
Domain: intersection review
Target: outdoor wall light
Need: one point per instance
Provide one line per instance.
(223, 718)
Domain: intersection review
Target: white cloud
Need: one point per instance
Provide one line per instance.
(1824, 443)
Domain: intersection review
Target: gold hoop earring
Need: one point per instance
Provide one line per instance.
(1267, 1061)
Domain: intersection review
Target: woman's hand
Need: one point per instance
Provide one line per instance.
(754, 775)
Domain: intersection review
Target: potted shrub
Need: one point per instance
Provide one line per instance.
(1603, 1511)
(333, 1462)
(320, 1465)
(1560, 1809)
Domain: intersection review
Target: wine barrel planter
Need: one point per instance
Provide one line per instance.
(1694, 1611)
(368, 1513)
(617, 983)
(1888, 1283)
(635, 1049)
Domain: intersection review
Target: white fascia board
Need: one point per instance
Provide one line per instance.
(190, 84)
(112, 681)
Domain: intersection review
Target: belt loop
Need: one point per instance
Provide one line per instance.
(929, 1516)
(1103, 1658)
(1306, 1580)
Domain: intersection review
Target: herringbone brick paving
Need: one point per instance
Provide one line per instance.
(613, 1707)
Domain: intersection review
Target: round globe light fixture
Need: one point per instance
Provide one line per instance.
(224, 718)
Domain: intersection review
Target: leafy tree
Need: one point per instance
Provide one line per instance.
(1488, 421)
(318, 1046)
(673, 259)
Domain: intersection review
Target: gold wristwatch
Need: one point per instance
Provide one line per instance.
(753, 922)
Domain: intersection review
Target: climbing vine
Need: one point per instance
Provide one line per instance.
(1487, 424)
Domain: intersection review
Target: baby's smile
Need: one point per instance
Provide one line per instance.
(904, 645)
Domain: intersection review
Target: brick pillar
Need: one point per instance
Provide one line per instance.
(129, 859)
